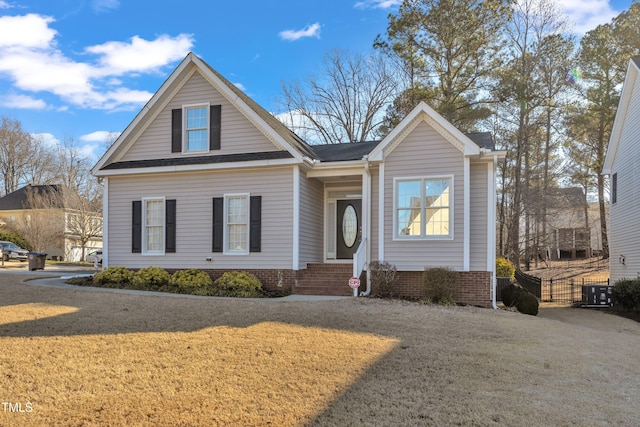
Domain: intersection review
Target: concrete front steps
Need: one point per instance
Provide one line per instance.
(325, 279)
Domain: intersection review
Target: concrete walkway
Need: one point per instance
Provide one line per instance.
(55, 276)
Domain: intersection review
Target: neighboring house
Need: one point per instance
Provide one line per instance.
(622, 165)
(59, 222)
(206, 178)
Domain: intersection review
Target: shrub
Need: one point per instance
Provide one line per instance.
(527, 303)
(511, 293)
(238, 284)
(11, 236)
(505, 268)
(438, 284)
(150, 278)
(192, 281)
(516, 296)
(384, 277)
(626, 292)
(113, 277)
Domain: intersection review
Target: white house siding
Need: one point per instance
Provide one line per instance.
(311, 220)
(423, 153)
(479, 219)
(624, 235)
(375, 210)
(238, 135)
(193, 193)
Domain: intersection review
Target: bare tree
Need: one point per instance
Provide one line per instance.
(42, 225)
(83, 215)
(345, 104)
(15, 154)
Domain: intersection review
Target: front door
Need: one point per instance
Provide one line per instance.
(349, 227)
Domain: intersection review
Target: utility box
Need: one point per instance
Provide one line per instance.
(36, 260)
(597, 295)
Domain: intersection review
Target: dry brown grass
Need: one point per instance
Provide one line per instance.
(95, 358)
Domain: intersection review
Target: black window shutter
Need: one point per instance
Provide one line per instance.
(176, 130)
(614, 188)
(215, 113)
(255, 223)
(170, 226)
(136, 227)
(218, 223)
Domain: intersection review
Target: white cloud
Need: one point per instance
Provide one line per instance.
(4, 5)
(30, 31)
(30, 58)
(312, 30)
(22, 102)
(100, 136)
(240, 86)
(105, 5)
(585, 15)
(377, 4)
(140, 55)
(47, 139)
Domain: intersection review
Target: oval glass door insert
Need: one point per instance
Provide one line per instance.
(349, 226)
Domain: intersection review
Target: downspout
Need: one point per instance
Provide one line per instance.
(493, 200)
(368, 227)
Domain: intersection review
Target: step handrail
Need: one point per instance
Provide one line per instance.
(360, 260)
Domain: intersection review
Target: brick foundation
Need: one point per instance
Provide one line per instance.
(472, 287)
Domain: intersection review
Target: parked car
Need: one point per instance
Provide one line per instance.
(91, 256)
(12, 251)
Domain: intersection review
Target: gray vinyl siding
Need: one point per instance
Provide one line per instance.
(424, 152)
(311, 220)
(193, 193)
(624, 233)
(238, 135)
(479, 219)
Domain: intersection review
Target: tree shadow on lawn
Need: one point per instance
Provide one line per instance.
(434, 365)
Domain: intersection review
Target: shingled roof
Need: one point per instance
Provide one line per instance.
(18, 199)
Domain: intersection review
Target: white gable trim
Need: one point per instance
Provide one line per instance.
(181, 75)
(621, 116)
(118, 148)
(427, 114)
(248, 112)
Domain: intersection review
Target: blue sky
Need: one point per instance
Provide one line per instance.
(82, 69)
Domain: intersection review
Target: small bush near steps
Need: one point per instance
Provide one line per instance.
(384, 277)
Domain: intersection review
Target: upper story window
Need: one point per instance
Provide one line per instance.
(423, 208)
(196, 128)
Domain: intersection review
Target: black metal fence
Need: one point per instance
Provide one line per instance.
(567, 290)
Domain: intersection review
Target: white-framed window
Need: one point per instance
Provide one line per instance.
(423, 208)
(236, 224)
(196, 128)
(153, 223)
